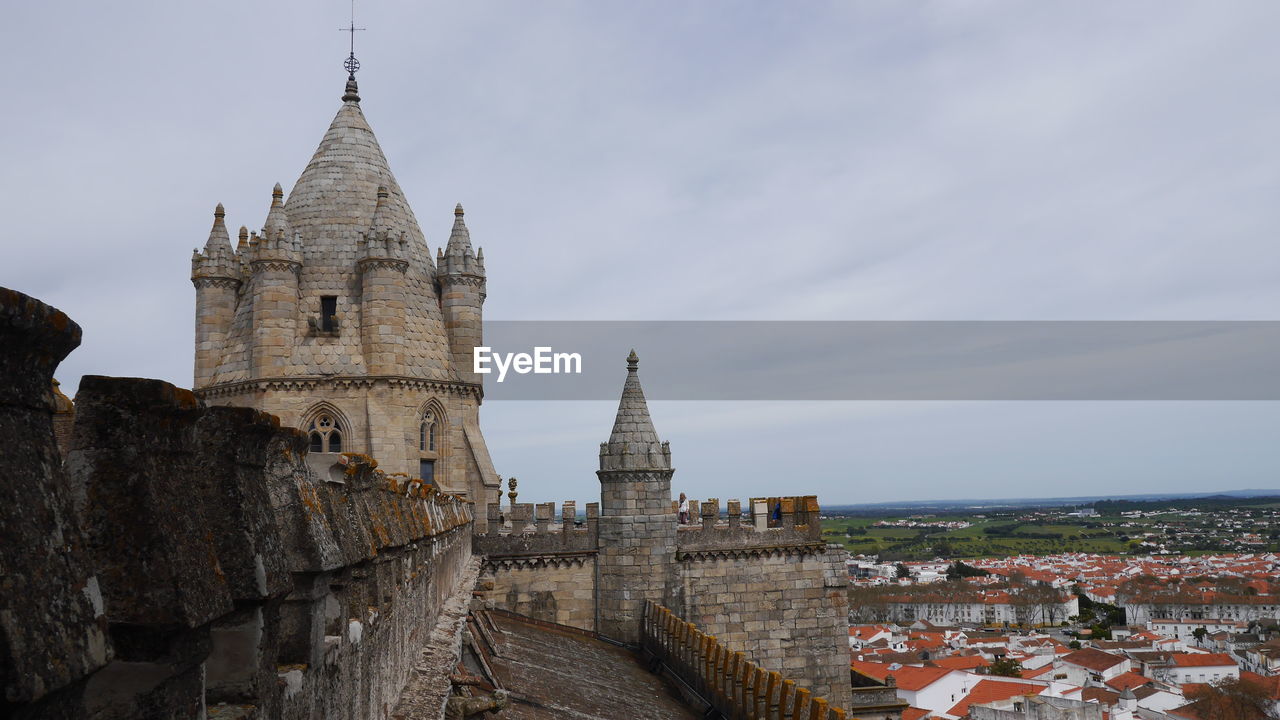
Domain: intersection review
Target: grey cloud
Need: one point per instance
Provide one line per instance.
(711, 160)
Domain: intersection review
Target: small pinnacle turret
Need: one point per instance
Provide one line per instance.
(462, 293)
(277, 222)
(218, 239)
(218, 259)
(278, 243)
(218, 276)
(385, 239)
(382, 261)
(459, 258)
(633, 443)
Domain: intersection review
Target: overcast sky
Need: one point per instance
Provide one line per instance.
(959, 160)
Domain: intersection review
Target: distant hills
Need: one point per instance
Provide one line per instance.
(1251, 497)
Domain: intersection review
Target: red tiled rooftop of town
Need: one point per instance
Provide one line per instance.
(961, 662)
(907, 677)
(1127, 681)
(1093, 659)
(914, 713)
(1201, 659)
(991, 691)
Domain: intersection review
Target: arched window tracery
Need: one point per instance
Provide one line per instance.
(431, 441)
(325, 433)
(427, 431)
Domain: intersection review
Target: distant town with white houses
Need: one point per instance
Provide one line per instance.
(1069, 636)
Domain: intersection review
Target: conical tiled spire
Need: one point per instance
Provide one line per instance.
(277, 223)
(459, 237)
(218, 259)
(219, 242)
(384, 239)
(329, 205)
(382, 220)
(459, 258)
(633, 425)
(633, 443)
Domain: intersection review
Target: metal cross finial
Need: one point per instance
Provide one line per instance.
(351, 63)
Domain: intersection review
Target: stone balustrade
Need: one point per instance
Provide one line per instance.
(736, 687)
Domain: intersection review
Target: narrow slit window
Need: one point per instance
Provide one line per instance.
(329, 313)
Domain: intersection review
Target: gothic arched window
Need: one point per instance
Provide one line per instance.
(326, 434)
(427, 432)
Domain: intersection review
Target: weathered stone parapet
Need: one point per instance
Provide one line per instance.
(174, 502)
(36, 338)
(189, 558)
(734, 685)
(51, 629)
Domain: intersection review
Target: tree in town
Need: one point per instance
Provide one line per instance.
(902, 571)
(1200, 634)
(959, 570)
(1005, 667)
(1232, 699)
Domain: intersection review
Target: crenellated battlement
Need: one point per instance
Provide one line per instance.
(528, 530)
(765, 523)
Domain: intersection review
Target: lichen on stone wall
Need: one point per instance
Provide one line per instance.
(188, 557)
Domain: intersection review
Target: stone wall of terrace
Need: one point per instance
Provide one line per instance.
(185, 561)
(540, 564)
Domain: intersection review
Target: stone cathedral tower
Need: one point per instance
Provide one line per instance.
(334, 318)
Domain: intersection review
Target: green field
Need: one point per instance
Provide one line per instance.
(1044, 533)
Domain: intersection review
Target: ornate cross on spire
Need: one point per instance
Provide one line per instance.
(352, 93)
(351, 63)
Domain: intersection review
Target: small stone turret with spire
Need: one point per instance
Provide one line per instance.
(275, 261)
(382, 262)
(217, 274)
(633, 444)
(637, 526)
(462, 292)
